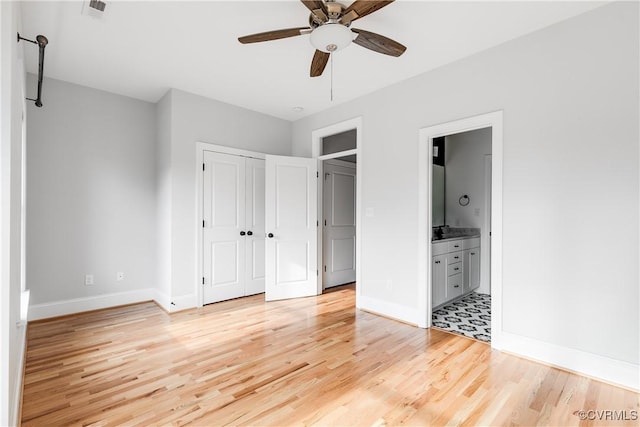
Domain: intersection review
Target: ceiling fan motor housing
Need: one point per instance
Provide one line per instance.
(331, 37)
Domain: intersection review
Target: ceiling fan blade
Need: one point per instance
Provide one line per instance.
(378, 43)
(318, 63)
(314, 4)
(366, 7)
(274, 35)
(348, 17)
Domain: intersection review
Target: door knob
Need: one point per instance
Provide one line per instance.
(242, 233)
(249, 233)
(270, 235)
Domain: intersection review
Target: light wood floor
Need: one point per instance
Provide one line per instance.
(298, 362)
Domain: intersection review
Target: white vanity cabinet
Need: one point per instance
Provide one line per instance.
(439, 274)
(455, 269)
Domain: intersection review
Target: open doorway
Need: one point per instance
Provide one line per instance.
(461, 230)
(339, 222)
(336, 148)
(428, 251)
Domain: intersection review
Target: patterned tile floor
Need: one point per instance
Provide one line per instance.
(469, 316)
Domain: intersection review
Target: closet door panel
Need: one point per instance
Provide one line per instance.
(224, 250)
(255, 255)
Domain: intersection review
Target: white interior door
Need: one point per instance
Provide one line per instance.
(291, 191)
(339, 241)
(255, 255)
(223, 220)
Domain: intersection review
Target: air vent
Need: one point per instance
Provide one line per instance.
(93, 8)
(97, 4)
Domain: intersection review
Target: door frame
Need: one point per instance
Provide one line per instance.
(316, 140)
(494, 120)
(485, 257)
(201, 147)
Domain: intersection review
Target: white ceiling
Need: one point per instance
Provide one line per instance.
(141, 49)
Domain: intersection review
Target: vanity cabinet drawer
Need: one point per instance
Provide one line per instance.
(455, 245)
(454, 286)
(454, 257)
(439, 248)
(474, 242)
(455, 268)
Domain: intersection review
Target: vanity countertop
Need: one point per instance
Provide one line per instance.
(456, 234)
(457, 237)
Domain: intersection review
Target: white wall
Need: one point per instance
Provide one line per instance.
(91, 193)
(195, 118)
(570, 99)
(12, 105)
(464, 174)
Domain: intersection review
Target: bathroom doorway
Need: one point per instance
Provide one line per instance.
(461, 230)
(474, 221)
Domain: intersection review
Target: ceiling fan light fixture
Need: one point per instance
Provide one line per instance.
(331, 37)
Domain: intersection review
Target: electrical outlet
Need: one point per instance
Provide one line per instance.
(88, 279)
(119, 276)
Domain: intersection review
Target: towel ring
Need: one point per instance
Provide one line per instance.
(464, 200)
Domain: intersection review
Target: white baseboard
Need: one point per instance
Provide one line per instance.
(163, 300)
(388, 309)
(184, 302)
(78, 305)
(174, 304)
(592, 365)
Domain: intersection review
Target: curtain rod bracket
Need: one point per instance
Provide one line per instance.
(42, 42)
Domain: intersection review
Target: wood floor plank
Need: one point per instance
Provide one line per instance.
(309, 361)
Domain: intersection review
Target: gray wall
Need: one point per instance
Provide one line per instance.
(163, 197)
(91, 188)
(570, 99)
(465, 174)
(195, 118)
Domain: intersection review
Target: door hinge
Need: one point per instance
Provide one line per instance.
(325, 222)
(317, 174)
(325, 268)
(317, 224)
(203, 166)
(203, 280)
(203, 223)
(317, 272)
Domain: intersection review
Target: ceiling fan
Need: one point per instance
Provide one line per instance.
(330, 30)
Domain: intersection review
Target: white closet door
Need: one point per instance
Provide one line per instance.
(291, 190)
(339, 244)
(255, 255)
(224, 220)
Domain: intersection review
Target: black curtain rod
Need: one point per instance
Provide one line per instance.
(41, 41)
